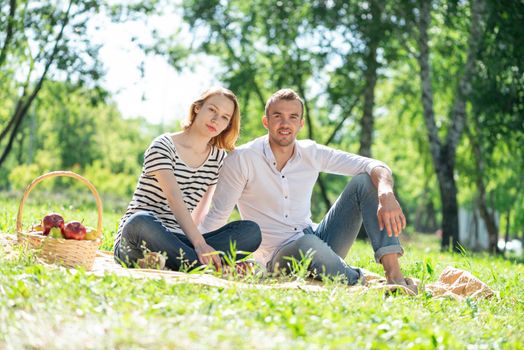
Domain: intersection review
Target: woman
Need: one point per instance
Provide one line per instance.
(175, 188)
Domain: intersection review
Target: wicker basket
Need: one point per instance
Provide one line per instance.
(67, 252)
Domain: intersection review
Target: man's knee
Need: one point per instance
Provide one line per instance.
(310, 243)
(362, 179)
(360, 183)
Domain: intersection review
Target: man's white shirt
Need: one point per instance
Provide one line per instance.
(278, 201)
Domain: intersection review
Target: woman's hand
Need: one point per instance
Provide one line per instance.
(207, 254)
(174, 195)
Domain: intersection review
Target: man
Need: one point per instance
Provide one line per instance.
(271, 180)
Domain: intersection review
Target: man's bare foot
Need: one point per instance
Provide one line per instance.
(411, 284)
(392, 268)
(394, 276)
(406, 283)
(398, 289)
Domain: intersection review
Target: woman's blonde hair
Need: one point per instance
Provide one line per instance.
(228, 137)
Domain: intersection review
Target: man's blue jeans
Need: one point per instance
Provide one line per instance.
(338, 230)
(144, 227)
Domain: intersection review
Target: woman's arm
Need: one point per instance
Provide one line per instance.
(202, 208)
(167, 181)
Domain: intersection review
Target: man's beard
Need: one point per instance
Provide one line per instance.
(284, 142)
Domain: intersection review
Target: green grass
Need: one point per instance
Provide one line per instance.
(43, 308)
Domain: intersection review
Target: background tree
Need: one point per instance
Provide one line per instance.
(401, 80)
(496, 125)
(443, 152)
(48, 40)
(53, 112)
(40, 37)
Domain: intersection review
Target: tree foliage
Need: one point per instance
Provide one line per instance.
(53, 112)
(353, 60)
(434, 88)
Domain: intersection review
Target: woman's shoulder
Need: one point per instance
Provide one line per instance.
(217, 154)
(161, 144)
(164, 140)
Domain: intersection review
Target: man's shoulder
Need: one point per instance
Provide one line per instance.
(311, 146)
(246, 156)
(251, 148)
(307, 143)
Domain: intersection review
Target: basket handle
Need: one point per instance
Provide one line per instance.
(66, 174)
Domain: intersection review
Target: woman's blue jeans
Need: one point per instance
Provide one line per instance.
(331, 241)
(144, 230)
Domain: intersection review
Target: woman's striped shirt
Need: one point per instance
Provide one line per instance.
(193, 182)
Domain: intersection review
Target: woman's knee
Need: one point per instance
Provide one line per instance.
(139, 221)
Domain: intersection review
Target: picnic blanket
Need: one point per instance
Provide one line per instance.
(452, 282)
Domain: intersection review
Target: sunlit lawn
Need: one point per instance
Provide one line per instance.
(43, 308)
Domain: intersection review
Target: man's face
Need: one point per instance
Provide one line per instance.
(283, 122)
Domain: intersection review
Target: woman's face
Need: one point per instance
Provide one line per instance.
(214, 115)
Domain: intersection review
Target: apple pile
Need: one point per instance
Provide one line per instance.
(53, 225)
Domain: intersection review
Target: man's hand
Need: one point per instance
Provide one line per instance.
(207, 254)
(390, 214)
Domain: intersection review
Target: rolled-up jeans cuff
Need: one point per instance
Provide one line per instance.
(390, 249)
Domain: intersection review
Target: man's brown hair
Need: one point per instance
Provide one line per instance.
(284, 94)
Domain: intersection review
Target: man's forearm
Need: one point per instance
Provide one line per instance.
(382, 179)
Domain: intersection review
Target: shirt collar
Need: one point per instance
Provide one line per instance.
(268, 152)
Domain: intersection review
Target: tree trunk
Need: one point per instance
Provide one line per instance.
(448, 193)
(487, 217)
(21, 151)
(346, 114)
(323, 191)
(8, 32)
(506, 237)
(443, 155)
(425, 221)
(367, 121)
(309, 123)
(25, 101)
(475, 221)
(491, 226)
(370, 75)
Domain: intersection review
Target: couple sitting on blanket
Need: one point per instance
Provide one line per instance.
(271, 180)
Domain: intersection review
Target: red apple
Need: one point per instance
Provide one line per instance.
(74, 230)
(52, 220)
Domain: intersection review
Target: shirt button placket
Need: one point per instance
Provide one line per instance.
(285, 194)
